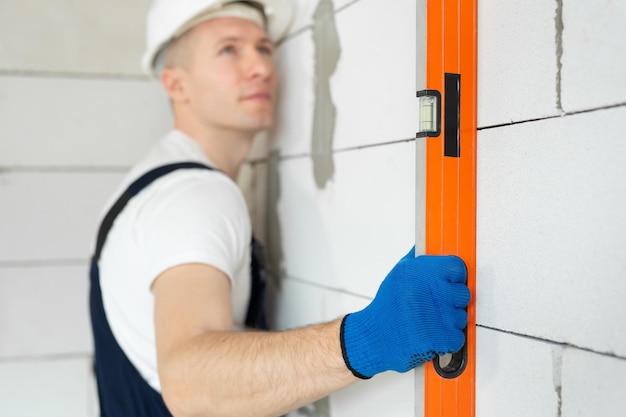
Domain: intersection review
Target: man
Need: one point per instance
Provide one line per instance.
(170, 276)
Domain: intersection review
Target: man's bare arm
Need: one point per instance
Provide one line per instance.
(208, 370)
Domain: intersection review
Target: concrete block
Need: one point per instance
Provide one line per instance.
(51, 216)
(389, 394)
(291, 134)
(374, 85)
(517, 63)
(371, 100)
(72, 36)
(44, 311)
(593, 59)
(350, 234)
(515, 376)
(550, 248)
(300, 303)
(54, 388)
(79, 122)
(593, 385)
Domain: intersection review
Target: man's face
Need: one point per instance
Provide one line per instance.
(231, 78)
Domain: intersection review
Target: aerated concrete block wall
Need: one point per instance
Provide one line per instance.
(74, 115)
(340, 168)
(551, 195)
(333, 191)
(551, 208)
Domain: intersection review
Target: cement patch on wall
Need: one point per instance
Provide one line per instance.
(327, 54)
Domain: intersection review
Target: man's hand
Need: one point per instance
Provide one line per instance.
(417, 313)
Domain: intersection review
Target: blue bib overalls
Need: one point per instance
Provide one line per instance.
(122, 390)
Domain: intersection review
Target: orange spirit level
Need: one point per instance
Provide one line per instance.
(448, 124)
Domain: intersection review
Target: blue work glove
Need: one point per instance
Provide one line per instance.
(417, 313)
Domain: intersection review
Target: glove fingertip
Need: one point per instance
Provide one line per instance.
(461, 319)
(456, 269)
(459, 341)
(461, 295)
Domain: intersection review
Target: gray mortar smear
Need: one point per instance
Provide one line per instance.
(327, 53)
(559, 52)
(557, 361)
(274, 234)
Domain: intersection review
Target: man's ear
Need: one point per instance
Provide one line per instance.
(173, 81)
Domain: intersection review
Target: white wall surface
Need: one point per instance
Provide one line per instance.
(48, 387)
(517, 61)
(550, 192)
(49, 216)
(593, 63)
(75, 113)
(331, 221)
(506, 365)
(340, 240)
(551, 209)
(78, 122)
(72, 37)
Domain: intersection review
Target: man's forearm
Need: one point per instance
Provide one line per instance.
(243, 374)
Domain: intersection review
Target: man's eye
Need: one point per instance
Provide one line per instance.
(265, 50)
(227, 50)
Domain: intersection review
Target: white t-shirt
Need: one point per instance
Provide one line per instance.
(187, 216)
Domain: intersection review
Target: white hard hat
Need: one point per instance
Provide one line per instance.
(168, 19)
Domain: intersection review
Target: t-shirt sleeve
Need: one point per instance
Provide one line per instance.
(194, 217)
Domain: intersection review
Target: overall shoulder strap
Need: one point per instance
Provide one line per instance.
(132, 190)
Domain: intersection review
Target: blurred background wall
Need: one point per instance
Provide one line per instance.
(335, 190)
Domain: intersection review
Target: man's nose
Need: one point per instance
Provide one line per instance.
(260, 65)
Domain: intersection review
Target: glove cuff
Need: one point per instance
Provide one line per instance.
(345, 353)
